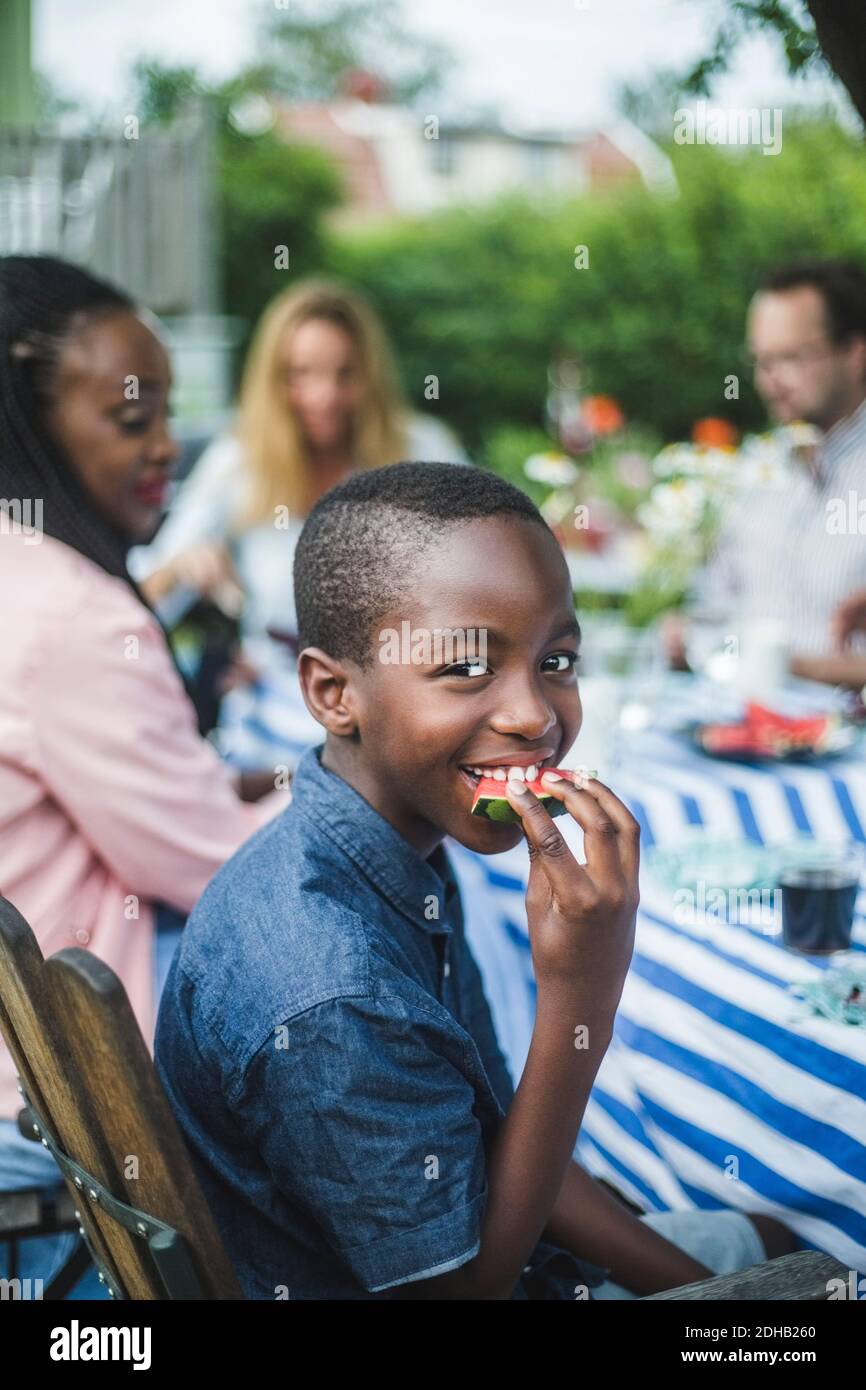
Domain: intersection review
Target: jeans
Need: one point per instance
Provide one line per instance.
(26, 1165)
(724, 1241)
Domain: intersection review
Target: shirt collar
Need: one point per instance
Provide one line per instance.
(392, 865)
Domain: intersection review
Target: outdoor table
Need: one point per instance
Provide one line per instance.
(719, 1088)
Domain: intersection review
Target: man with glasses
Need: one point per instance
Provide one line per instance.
(792, 551)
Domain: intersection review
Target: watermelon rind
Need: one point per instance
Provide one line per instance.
(497, 807)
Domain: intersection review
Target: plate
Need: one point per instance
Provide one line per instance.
(840, 740)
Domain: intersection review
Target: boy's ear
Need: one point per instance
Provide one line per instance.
(328, 691)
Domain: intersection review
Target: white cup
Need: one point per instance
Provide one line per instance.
(763, 658)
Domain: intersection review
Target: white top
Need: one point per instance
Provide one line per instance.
(791, 549)
(209, 499)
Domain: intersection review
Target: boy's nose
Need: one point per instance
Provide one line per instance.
(527, 715)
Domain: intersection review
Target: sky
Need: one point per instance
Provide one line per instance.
(541, 63)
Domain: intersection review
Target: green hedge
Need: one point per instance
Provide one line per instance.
(270, 194)
(481, 298)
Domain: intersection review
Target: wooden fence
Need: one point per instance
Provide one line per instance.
(137, 208)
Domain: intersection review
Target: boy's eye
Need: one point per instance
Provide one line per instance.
(568, 661)
(468, 668)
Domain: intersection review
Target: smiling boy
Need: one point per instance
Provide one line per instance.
(324, 1037)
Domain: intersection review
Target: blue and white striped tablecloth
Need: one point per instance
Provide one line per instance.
(719, 1088)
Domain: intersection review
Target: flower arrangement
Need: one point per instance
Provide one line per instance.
(696, 480)
(610, 493)
(679, 520)
(660, 510)
(588, 489)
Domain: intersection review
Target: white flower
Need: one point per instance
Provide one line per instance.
(674, 458)
(694, 461)
(674, 507)
(800, 434)
(557, 470)
(764, 459)
(719, 464)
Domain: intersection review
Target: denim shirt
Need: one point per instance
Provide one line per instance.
(328, 1051)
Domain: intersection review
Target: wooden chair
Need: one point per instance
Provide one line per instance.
(802, 1277)
(93, 1098)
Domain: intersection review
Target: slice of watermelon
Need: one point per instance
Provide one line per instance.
(730, 738)
(803, 732)
(492, 803)
(772, 736)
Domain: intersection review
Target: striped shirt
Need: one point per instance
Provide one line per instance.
(793, 546)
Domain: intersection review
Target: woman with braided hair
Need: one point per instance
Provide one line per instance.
(114, 812)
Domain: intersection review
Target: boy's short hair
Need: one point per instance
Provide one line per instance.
(358, 551)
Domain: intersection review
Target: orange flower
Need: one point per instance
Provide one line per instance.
(715, 433)
(602, 414)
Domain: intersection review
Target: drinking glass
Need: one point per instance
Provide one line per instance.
(819, 893)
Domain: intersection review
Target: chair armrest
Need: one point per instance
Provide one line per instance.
(803, 1276)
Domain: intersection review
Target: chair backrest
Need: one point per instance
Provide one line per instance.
(89, 1080)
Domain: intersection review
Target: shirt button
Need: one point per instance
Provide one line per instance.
(82, 934)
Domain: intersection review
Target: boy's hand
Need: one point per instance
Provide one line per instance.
(581, 916)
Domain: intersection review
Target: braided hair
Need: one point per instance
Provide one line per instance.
(43, 301)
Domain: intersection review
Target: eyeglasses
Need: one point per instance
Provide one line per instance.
(787, 362)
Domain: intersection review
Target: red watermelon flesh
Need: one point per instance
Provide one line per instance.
(803, 732)
(763, 732)
(492, 803)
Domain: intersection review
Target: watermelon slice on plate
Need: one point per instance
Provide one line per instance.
(765, 734)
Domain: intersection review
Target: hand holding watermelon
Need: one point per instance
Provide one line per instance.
(581, 916)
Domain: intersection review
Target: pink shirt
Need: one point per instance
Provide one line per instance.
(109, 798)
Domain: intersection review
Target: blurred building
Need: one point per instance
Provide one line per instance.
(397, 161)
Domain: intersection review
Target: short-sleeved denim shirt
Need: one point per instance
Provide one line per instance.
(329, 1053)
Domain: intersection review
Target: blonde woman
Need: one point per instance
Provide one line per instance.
(319, 399)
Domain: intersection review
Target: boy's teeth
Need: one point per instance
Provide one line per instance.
(520, 774)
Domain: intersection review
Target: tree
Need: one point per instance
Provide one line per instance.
(649, 103)
(270, 194)
(840, 28)
(483, 297)
(161, 92)
(310, 46)
(814, 34)
(305, 51)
